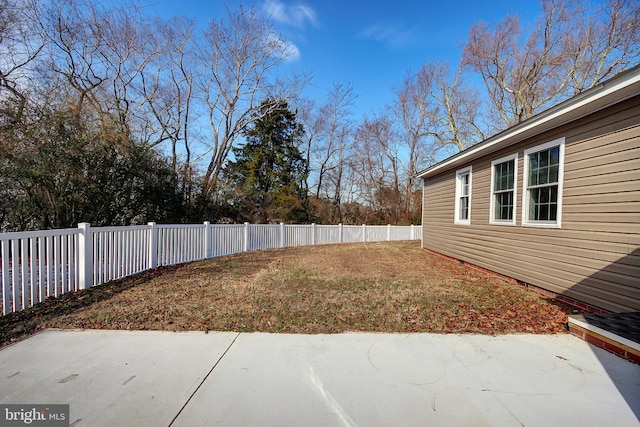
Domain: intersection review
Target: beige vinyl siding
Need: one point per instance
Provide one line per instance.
(595, 256)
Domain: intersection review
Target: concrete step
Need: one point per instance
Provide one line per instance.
(618, 333)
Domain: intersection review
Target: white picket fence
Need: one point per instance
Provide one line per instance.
(35, 265)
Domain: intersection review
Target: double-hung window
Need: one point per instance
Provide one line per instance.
(463, 196)
(542, 188)
(504, 173)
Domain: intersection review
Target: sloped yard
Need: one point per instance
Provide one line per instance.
(378, 287)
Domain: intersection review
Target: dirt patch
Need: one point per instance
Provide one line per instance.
(377, 287)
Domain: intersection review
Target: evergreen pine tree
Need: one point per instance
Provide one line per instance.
(269, 171)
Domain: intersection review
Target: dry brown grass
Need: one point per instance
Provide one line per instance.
(381, 287)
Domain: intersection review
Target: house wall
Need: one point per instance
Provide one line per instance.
(595, 256)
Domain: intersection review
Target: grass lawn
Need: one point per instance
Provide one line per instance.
(376, 287)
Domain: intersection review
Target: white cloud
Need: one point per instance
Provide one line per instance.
(391, 35)
(290, 50)
(296, 15)
(275, 10)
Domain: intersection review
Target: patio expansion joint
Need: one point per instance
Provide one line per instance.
(204, 379)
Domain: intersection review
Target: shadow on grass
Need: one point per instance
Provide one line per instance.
(18, 325)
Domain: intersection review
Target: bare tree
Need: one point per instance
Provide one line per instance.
(240, 55)
(330, 151)
(101, 51)
(434, 111)
(602, 43)
(74, 51)
(416, 112)
(19, 48)
(458, 121)
(376, 162)
(167, 85)
(313, 123)
(570, 49)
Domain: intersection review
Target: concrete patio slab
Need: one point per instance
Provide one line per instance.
(416, 380)
(110, 378)
(228, 379)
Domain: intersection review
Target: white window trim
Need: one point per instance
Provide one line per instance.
(456, 213)
(525, 178)
(492, 214)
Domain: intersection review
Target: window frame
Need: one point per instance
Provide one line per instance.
(526, 221)
(456, 215)
(492, 213)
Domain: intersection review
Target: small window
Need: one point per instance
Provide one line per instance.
(504, 173)
(463, 196)
(543, 176)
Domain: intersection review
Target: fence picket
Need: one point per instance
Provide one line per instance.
(42, 286)
(63, 262)
(15, 274)
(49, 240)
(24, 273)
(33, 284)
(6, 285)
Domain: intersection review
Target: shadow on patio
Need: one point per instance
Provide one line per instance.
(618, 333)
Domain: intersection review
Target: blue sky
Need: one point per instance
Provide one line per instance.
(370, 44)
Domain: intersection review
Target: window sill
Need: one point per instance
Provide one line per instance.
(507, 223)
(541, 225)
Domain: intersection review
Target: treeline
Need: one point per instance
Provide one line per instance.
(113, 116)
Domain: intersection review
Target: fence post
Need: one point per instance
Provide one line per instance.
(388, 232)
(282, 235)
(364, 232)
(341, 233)
(153, 245)
(85, 254)
(245, 246)
(413, 237)
(207, 240)
(313, 233)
